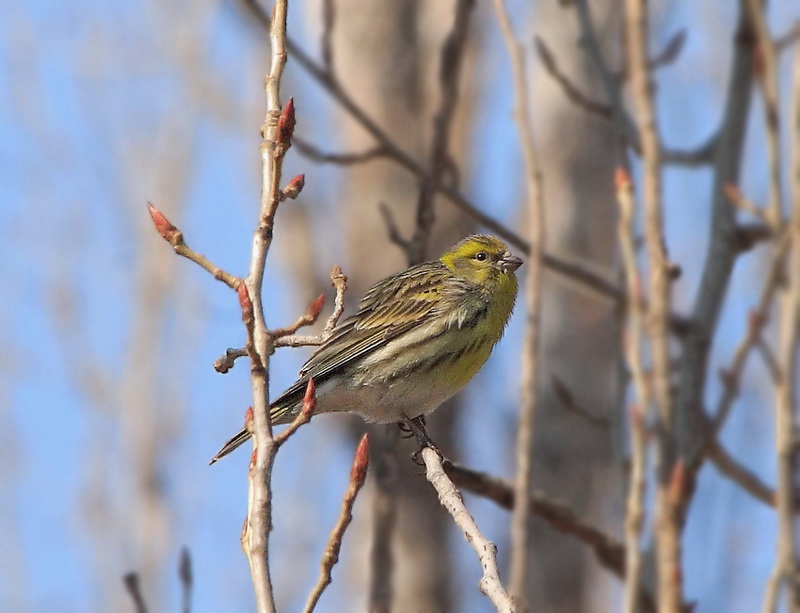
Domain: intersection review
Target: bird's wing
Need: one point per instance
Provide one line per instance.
(391, 308)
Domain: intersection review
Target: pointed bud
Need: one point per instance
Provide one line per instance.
(360, 462)
(248, 420)
(622, 180)
(310, 398)
(170, 233)
(677, 483)
(314, 308)
(245, 303)
(286, 123)
(295, 186)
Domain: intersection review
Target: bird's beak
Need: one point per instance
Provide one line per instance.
(510, 262)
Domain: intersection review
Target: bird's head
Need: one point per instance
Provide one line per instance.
(483, 260)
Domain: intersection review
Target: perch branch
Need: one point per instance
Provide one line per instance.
(450, 498)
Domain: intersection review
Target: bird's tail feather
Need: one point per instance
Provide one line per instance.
(278, 414)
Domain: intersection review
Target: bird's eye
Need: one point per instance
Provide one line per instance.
(481, 256)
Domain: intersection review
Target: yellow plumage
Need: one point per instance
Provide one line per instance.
(418, 337)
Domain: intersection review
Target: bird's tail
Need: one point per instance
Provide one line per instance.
(280, 414)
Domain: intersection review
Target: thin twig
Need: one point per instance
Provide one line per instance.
(187, 578)
(452, 54)
(633, 346)
(132, 584)
(451, 500)
(175, 238)
(303, 417)
(339, 282)
(741, 476)
(787, 565)
(342, 159)
(225, 362)
(276, 139)
(738, 199)
(567, 399)
(328, 23)
(667, 531)
(767, 76)
(571, 91)
(722, 250)
(521, 526)
(358, 475)
(309, 318)
(670, 52)
(589, 40)
(732, 375)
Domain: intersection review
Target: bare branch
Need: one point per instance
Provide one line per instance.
(671, 50)
(668, 529)
(134, 588)
(187, 578)
(328, 23)
(633, 346)
(452, 55)
(309, 318)
(225, 362)
(567, 399)
(339, 282)
(341, 159)
(744, 478)
(303, 417)
(391, 226)
(358, 475)
(175, 238)
(490, 583)
(521, 526)
(572, 92)
(787, 563)
(276, 135)
(767, 76)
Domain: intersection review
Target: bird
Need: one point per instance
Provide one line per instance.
(417, 338)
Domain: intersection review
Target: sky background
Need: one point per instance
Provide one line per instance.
(96, 109)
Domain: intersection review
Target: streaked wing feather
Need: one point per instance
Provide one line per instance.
(391, 308)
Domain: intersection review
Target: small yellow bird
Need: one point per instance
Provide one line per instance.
(418, 337)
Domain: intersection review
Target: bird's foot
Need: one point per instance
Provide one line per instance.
(416, 427)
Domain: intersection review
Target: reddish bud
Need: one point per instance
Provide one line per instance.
(756, 320)
(732, 191)
(295, 186)
(758, 61)
(637, 419)
(677, 483)
(338, 277)
(360, 462)
(310, 398)
(622, 180)
(315, 307)
(170, 233)
(248, 419)
(245, 302)
(286, 123)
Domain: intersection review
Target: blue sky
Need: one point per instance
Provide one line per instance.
(93, 107)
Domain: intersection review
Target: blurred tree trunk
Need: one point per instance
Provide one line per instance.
(388, 55)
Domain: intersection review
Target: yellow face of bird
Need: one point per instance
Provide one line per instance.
(483, 260)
